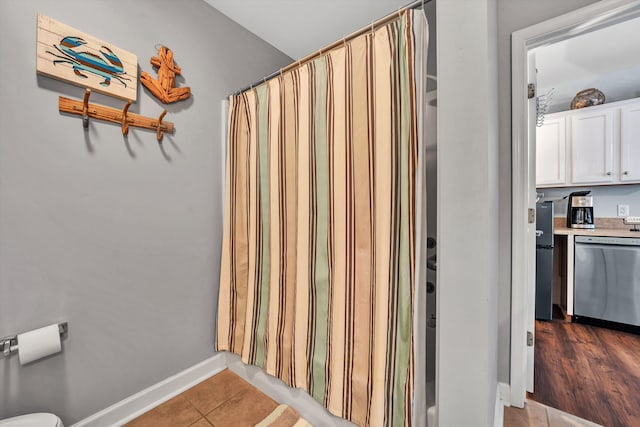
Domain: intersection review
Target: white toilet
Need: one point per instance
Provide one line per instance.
(32, 420)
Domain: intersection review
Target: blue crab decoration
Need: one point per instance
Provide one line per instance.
(82, 61)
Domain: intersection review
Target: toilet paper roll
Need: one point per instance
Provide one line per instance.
(36, 344)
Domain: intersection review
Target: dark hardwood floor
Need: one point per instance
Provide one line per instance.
(588, 371)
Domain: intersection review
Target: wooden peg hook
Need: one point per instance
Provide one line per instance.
(159, 132)
(125, 123)
(85, 109)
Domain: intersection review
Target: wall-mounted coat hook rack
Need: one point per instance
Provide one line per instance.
(122, 117)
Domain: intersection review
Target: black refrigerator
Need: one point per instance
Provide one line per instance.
(544, 260)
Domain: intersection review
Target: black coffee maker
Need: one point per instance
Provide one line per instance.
(580, 210)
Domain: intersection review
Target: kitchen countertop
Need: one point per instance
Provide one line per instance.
(606, 227)
(606, 232)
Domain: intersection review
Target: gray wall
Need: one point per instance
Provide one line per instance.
(120, 237)
(605, 199)
(467, 334)
(513, 15)
(617, 85)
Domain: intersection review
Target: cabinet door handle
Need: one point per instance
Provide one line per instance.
(609, 173)
(625, 173)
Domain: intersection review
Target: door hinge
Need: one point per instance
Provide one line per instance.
(531, 90)
(529, 339)
(532, 216)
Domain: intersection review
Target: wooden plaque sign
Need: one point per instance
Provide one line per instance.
(68, 54)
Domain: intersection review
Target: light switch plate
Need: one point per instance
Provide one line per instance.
(623, 210)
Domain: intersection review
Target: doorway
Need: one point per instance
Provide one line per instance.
(597, 16)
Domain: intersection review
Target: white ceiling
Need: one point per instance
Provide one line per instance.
(607, 59)
(301, 27)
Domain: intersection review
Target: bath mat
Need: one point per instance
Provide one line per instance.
(284, 416)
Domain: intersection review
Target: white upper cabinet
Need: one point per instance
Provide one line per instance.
(630, 143)
(592, 147)
(550, 152)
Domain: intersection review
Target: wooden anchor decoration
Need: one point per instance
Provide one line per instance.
(164, 88)
(122, 117)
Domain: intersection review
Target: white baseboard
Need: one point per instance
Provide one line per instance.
(134, 406)
(505, 393)
(431, 416)
(502, 400)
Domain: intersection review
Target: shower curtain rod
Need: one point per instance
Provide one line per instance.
(364, 30)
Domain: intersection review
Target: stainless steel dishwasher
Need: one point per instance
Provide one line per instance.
(607, 280)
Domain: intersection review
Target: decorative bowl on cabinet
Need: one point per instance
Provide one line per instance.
(587, 98)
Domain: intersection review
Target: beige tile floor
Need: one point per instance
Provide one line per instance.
(535, 414)
(227, 400)
(220, 401)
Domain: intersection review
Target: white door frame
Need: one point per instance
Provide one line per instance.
(597, 15)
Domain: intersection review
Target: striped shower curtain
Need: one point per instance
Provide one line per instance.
(319, 247)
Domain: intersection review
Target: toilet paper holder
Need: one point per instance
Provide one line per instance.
(9, 344)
